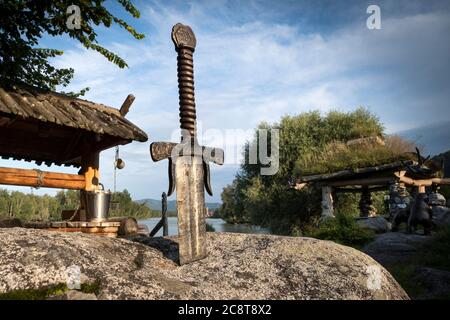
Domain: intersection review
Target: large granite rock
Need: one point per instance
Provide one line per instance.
(239, 266)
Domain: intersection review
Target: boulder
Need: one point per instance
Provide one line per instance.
(239, 266)
(393, 247)
(441, 216)
(436, 199)
(377, 224)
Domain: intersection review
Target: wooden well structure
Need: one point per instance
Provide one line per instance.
(48, 128)
(411, 173)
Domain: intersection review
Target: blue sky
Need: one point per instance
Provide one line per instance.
(259, 60)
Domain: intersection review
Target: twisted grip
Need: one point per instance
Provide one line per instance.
(184, 39)
(186, 90)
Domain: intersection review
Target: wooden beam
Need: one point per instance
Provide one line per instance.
(361, 182)
(33, 173)
(126, 105)
(358, 190)
(423, 182)
(44, 179)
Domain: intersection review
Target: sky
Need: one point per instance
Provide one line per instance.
(260, 60)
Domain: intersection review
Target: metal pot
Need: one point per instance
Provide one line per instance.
(97, 204)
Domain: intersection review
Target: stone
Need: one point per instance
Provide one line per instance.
(436, 199)
(377, 224)
(239, 266)
(393, 247)
(441, 216)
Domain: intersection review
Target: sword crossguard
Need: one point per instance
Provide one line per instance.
(170, 150)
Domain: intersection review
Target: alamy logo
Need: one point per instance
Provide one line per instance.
(374, 20)
(374, 278)
(74, 20)
(73, 277)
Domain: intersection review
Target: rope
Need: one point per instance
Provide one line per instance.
(40, 178)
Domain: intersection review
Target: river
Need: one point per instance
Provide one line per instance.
(218, 224)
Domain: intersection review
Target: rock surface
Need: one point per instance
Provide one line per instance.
(441, 216)
(436, 199)
(377, 224)
(393, 247)
(239, 266)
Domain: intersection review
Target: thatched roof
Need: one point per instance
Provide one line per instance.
(45, 126)
(358, 172)
(47, 106)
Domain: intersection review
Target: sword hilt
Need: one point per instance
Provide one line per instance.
(184, 39)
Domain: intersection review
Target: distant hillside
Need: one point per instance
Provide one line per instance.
(434, 138)
(446, 156)
(172, 204)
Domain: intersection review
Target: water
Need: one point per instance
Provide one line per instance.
(218, 224)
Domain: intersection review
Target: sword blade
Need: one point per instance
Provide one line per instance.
(189, 177)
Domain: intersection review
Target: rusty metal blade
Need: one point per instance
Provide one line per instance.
(191, 208)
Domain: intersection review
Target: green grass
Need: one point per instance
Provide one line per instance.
(343, 230)
(338, 156)
(46, 292)
(34, 294)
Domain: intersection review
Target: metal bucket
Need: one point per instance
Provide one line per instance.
(97, 204)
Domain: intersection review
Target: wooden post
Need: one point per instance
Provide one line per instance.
(90, 170)
(366, 209)
(327, 202)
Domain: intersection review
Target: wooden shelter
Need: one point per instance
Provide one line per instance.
(369, 179)
(51, 128)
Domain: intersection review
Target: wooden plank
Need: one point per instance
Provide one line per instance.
(361, 182)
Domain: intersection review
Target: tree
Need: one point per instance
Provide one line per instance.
(24, 22)
(270, 201)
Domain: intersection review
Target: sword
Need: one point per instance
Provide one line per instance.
(189, 170)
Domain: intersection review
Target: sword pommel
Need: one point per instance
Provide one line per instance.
(183, 37)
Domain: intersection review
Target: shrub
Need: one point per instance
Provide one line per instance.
(344, 230)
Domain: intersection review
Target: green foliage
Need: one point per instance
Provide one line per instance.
(34, 294)
(344, 230)
(33, 207)
(127, 207)
(29, 20)
(49, 291)
(210, 228)
(270, 201)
